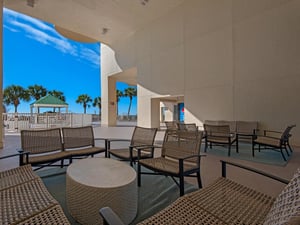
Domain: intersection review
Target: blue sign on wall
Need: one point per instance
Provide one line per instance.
(181, 112)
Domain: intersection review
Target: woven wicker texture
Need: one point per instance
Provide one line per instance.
(218, 133)
(53, 216)
(85, 200)
(16, 176)
(125, 154)
(182, 212)
(41, 141)
(182, 145)
(80, 141)
(222, 202)
(74, 137)
(286, 209)
(166, 165)
(233, 202)
(141, 136)
(22, 201)
(246, 127)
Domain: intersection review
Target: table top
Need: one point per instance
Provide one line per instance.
(101, 172)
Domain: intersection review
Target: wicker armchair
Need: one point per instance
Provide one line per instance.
(218, 135)
(276, 140)
(142, 139)
(225, 201)
(180, 157)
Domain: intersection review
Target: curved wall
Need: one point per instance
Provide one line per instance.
(232, 60)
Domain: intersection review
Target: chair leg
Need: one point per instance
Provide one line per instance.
(286, 151)
(288, 144)
(205, 147)
(282, 154)
(253, 146)
(139, 174)
(199, 180)
(229, 149)
(181, 185)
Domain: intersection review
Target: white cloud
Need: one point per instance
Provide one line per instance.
(47, 35)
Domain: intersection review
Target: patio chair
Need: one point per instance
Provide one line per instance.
(218, 135)
(188, 126)
(142, 138)
(275, 140)
(180, 157)
(171, 125)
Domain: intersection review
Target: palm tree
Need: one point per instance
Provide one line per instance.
(119, 94)
(97, 103)
(130, 92)
(84, 99)
(13, 94)
(37, 91)
(58, 94)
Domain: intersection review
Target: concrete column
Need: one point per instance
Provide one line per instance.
(109, 67)
(112, 102)
(155, 113)
(1, 78)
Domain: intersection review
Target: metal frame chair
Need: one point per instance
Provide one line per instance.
(276, 140)
(142, 139)
(180, 157)
(218, 135)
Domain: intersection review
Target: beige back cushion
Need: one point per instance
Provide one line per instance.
(286, 208)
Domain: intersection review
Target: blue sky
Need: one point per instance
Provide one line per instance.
(34, 53)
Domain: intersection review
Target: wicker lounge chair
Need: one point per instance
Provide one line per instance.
(276, 140)
(26, 200)
(218, 135)
(180, 157)
(142, 138)
(228, 202)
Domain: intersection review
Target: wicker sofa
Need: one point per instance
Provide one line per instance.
(26, 200)
(228, 202)
(45, 147)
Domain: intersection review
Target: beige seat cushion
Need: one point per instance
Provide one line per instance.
(286, 208)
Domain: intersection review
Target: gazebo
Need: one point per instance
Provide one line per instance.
(48, 101)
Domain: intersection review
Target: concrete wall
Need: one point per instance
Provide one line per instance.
(232, 60)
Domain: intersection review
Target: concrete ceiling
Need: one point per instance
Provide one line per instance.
(102, 20)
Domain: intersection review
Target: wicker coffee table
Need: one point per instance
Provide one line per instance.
(94, 183)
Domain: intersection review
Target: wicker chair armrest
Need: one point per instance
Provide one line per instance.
(110, 217)
(224, 163)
